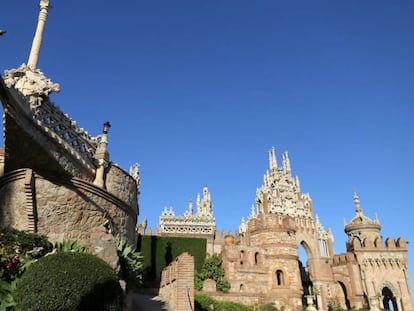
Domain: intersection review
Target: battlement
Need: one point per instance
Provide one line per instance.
(272, 222)
(376, 243)
(343, 259)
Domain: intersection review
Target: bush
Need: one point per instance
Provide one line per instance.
(131, 264)
(17, 250)
(69, 246)
(207, 303)
(29, 244)
(212, 269)
(69, 281)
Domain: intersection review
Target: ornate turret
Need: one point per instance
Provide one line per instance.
(280, 192)
(362, 226)
(201, 223)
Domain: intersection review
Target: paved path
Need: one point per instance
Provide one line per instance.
(140, 302)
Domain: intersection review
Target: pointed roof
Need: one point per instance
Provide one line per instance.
(360, 221)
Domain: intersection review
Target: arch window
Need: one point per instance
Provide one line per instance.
(323, 248)
(256, 258)
(279, 278)
(241, 257)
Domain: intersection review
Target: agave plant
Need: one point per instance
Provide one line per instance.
(131, 262)
(69, 246)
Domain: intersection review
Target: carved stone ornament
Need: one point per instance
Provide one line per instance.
(32, 83)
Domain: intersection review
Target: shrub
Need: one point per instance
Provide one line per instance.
(17, 250)
(69, 246)
(131, 264)
(69, 281)
(29, 244)
(207, 303)
(212, 269)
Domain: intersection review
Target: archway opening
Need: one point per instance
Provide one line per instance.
(347, 303)
(307, 285)
(389, 301)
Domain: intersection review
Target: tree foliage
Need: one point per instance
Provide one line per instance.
(131, 264)
(17, 251)
(212, 269)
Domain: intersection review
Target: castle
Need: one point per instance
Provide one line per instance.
(67, 188)
(262, 262)
(55, 178)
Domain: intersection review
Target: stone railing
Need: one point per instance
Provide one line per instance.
(30, 89)
(177, 283)
(51, 117)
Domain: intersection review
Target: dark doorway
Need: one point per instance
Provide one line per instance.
(389, 301)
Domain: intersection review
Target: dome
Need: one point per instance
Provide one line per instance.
(360, 222)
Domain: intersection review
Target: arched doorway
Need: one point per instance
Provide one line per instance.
(389, 301)
(347, 303)
(307, 285)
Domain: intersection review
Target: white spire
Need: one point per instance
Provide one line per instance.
(358, 208)
(272, 160)
(37, 40)
(286, 162)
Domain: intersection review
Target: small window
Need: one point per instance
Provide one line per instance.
(279, 277)
(256, 258)
(241, 257)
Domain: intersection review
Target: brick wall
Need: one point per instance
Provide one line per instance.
(177, 283)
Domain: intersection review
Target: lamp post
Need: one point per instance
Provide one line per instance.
(2, 32)
(102, 156)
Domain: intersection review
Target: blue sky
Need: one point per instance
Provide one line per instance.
(197, 92)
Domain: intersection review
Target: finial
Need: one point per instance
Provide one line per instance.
(37, 40)
(297, 184)
(358, 209)
(272, 160)
(190, 207)
(286, 162)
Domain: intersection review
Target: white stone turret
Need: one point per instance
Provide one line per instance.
(286, 162)
(280, 192)
(272, 160)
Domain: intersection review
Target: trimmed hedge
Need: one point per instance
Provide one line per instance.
(69, 281)
(159, 252)
(207, 303)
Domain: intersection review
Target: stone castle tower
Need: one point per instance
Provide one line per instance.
(55, 178)
(263, 266)
(382, 268)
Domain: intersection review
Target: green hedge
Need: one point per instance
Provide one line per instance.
(159, 252)
(69, 281)
(207, 303)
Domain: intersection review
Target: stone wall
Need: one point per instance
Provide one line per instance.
(177, 283)
(71, 209)
(122, 185)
